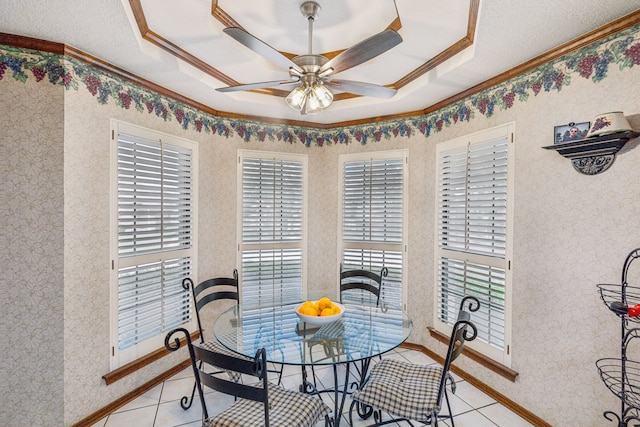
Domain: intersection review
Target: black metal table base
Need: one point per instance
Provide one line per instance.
(310, 388)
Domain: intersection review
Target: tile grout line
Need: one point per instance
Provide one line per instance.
(155, 417)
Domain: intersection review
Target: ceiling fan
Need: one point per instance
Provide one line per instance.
(312, 74)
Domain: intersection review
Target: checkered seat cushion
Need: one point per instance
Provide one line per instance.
(286, 408)
(402, 389)
(219, 348)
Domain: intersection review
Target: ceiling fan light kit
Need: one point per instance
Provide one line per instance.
(309, 99)
(311, 74)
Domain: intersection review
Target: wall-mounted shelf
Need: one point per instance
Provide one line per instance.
(591, 156)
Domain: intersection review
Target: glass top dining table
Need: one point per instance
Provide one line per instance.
(363, 332)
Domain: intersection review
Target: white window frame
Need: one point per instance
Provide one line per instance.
(503, 263)
(120, 358)
(402, 247)
(276, 296)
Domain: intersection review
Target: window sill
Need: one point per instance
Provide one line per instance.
(129, 368)
(496, 367)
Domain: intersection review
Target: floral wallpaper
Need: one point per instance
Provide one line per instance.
(592, 62)
(32, 236)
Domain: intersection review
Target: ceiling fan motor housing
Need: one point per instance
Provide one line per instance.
(310, 64)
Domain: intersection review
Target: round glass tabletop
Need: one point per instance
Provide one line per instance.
(362, 332)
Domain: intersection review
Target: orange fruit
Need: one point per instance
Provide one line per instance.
(336, 309)
(308, 310)
(324, 302)
(327, 312)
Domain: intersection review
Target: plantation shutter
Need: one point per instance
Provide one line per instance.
(154, 237)
(272, 230)
(372, 220)
(472, 231)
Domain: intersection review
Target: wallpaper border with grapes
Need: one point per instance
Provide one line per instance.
(592, 62)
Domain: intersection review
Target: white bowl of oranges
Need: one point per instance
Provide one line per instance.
(320, 312)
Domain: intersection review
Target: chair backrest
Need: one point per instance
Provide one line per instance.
(362, 279)
(463, 330)
(218, 288)
(200, 356)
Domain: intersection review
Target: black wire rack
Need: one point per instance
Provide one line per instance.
(622, 377)
(619, 374)
(619, 299)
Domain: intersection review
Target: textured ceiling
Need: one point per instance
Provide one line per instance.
(181, 46)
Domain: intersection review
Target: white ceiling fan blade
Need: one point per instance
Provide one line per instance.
(261, 48)
(362, 88)
(259, 85)
(363, 51)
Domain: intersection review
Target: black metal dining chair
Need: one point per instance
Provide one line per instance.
(367, 283)
(205, 293)
(363, 280)
(409, 391)
(255, 404)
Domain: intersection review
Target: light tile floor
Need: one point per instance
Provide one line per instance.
(160, 407)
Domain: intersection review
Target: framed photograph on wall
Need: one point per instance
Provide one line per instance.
(570, 132)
